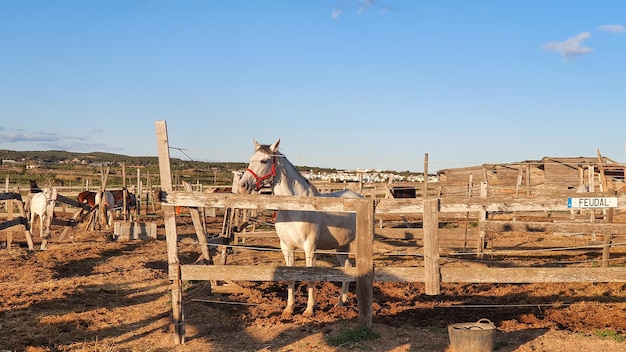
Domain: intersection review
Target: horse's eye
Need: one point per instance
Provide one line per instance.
(264, 161)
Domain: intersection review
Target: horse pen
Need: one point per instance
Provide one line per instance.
(550, 278)
(431, 273)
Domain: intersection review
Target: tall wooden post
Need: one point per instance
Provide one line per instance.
(9, 205)
(425, 191)
(138, 195)
(124, 192)
(170, 233)
(528, 179)
(432, 277)
(607, 240)
(365, 260)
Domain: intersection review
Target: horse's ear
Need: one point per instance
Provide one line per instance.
(274, 147)
(257, 145)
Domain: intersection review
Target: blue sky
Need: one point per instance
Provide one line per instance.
(343, 83)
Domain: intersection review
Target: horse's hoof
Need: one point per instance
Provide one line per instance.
(308, 313)
(287, 314)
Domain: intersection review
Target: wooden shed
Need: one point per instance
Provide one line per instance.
(590, 172)
(548, 174)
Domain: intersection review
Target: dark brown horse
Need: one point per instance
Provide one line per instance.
(88, 197)
(119, 198)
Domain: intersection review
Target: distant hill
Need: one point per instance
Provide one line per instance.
(59, 156)
(59, 167)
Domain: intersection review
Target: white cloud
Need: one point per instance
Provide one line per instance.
(613, 28)
(335, 13)
(362, 6)
(570, 47)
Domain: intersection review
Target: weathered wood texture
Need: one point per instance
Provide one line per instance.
(403, 274)
(170, 232)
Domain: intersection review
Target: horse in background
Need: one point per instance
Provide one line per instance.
(88, 197)
(106, 202)
(34, 188)
(306, 230)
(42, 205)
(118, 195)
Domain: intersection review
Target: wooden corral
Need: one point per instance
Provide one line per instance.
(432, 211)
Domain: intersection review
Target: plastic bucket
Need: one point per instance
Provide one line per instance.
(472, 337)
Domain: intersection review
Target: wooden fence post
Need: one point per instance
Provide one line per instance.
(170, 234)
(365, 260)
(607, 240)
(432, 277)
(482, 218)
(425, 191)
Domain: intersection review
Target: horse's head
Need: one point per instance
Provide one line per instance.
(262, 168)
(47, 192)
(34, 188)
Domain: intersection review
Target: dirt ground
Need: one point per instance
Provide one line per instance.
(88, 292)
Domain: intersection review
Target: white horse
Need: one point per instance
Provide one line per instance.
(39, 207)
(305, 230)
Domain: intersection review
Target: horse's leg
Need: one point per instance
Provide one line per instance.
(344, 261)
(310, 262)
(289, 261)
(32, 221)
(44, 240)
(41, 216)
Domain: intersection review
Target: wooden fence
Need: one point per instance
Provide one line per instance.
(364, 274)
(13, 199)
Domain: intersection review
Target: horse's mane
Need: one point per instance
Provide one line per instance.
(265, 149)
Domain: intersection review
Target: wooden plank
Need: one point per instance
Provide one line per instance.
(10, 195)
(562, 227)
(418, 233)
(383, 206)
(267, 273)
(258, 202)
(490, 204)
(403, 274)
(13, 222)
(72, 202)
(533, 275)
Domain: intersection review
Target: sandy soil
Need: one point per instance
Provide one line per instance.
(90, 293)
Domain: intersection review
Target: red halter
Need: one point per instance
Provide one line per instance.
(259, 180)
